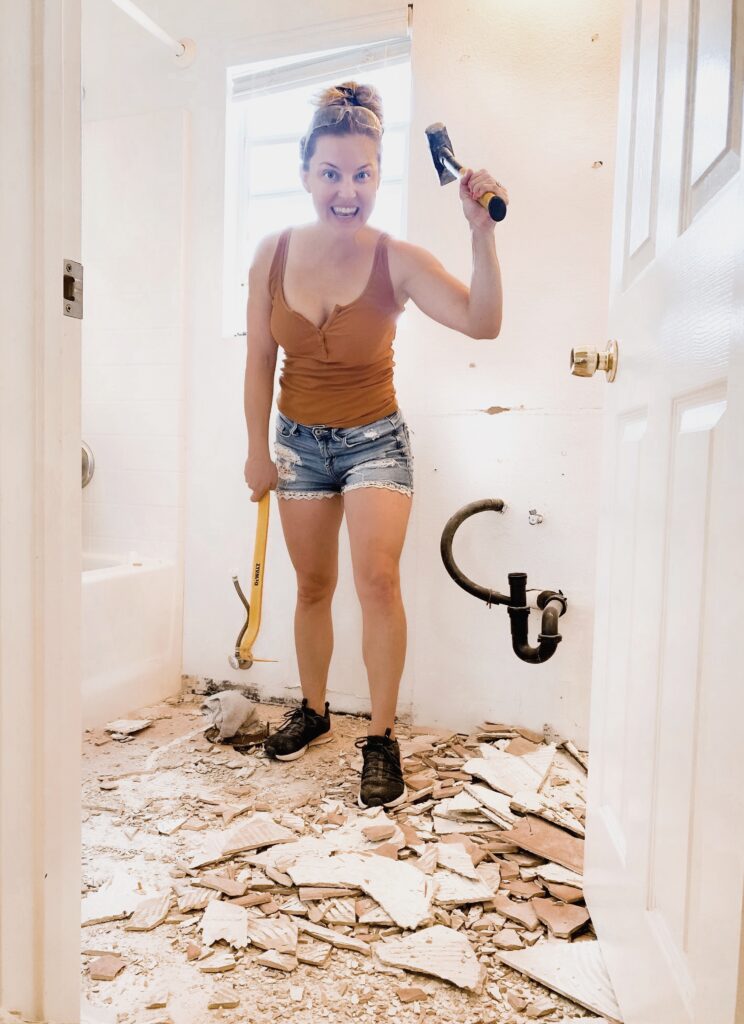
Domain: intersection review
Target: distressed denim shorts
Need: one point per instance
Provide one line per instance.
(319, 461)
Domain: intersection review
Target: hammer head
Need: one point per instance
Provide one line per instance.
(439, 143)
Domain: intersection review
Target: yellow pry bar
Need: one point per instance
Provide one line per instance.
(257, 577)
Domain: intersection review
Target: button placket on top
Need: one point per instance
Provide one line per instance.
(323, 342)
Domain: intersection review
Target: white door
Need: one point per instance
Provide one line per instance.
(665, 815)
(40, 512)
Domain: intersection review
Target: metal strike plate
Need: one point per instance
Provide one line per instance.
(72, 289)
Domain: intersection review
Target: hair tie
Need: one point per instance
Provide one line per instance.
(349, 93)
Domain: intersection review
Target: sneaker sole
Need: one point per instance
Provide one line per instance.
(390, 803)
(326, 737)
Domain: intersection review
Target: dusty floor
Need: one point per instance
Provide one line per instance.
(137, 790)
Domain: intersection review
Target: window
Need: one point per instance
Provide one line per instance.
(269, 110)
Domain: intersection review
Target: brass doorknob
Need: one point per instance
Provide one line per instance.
(586, 361)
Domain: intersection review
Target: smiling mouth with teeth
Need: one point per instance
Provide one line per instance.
(345, 211)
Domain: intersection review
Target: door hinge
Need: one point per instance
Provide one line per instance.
(72, 289)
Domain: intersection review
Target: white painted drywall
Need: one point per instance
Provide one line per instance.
(527, 89)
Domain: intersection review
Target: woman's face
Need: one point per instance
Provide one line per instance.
(343, 175)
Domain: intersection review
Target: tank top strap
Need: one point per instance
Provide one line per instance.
(276, 271)
(380, 268)
(381, 274)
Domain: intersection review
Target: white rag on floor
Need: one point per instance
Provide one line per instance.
(228, 711)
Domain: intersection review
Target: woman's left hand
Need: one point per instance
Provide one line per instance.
(472, 185)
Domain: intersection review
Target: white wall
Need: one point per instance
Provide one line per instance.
(133, 360)
(528, 90)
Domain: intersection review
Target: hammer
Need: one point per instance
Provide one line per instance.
(449, 169)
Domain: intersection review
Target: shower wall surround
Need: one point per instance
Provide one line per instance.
(133, 372)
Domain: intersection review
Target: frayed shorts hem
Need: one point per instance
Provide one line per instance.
(314, 495)
(307, 495)
(388, 485)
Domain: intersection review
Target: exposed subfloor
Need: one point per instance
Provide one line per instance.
(169, 779)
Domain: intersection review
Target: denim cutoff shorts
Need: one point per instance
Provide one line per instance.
(319, 461)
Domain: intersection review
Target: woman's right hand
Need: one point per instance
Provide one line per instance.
(260, 475)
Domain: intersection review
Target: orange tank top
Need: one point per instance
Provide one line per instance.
(341, 373)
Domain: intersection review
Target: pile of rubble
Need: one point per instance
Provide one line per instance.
(478, 875)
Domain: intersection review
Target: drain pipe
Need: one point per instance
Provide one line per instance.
(552, 603)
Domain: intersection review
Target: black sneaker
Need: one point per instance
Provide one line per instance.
(382, 776)
(302, 728)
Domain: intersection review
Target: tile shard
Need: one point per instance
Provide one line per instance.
(439, 951)
(334, 938)
(149, 913)
(520, 911)
(260, 830)
(218, 963)
(410, 994)
(454, 890)
(221, 883)
(314, 953)
(195, 898)
(575, 970)
(562, 919)
(551, 872)
(159, 1001)
(526, 802)
(565, 893)
(507, 938)
(279, 934)
(509, 774)
(225, 921)
(114, 901)
(497, 803)
(277, 961)
(403, 891)
(223, 999)
(128, 726)
(455, 857)
(549, 841)
(105, 968)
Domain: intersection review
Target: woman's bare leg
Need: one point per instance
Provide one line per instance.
(377, 520)
(311, 533)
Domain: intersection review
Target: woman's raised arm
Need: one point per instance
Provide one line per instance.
(475, 311)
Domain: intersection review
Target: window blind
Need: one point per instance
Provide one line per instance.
(318, 69)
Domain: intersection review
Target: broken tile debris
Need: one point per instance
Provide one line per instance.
(149, 913)
(574, 969)
(438, 950)
(105, 968)
(482, 862)
(223, 999)
(225, 921)
(562, 919)
(549, 841)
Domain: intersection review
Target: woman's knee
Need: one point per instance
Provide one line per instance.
(315, 588)
(379, 584)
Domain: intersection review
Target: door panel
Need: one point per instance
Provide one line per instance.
(665, 821)
(713, 128)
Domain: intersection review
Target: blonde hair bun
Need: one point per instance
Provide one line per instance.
(353, 93)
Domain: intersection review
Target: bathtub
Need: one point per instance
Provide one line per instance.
(131, 634)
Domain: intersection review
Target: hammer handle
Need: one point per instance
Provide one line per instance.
(493, 203)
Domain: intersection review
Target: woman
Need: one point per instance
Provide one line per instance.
(329, 293)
